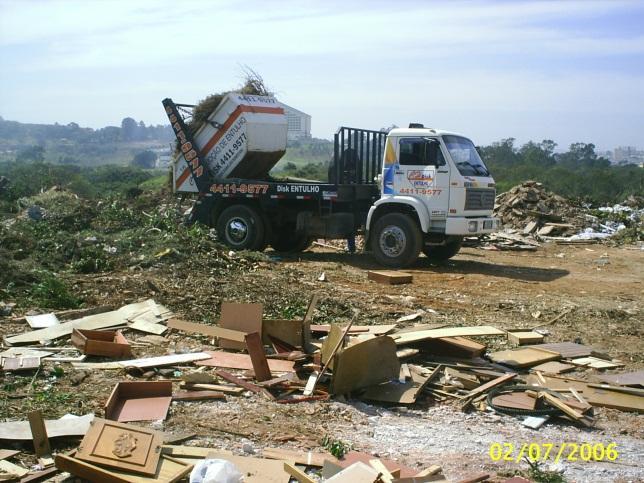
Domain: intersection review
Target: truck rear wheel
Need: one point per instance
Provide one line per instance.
(396, 240)
(241, 228)
(443, 252)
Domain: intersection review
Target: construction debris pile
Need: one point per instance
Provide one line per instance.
(285, 362)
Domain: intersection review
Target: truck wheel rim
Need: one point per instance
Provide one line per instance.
(237, 231)
(392, 241)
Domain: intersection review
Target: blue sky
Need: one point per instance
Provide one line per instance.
(564, 70)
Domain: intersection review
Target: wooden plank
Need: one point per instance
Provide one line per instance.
(298, 474)
(258, 357)
(306, 322)
(245, 318)
(97, 321)
(490, 384)
(203, 329)
(308, 458)
(515, 400)
(567, 350)
(8, 453)
(121, 446)
(417, 336)
(385, 475)
(13, 364)
(336, 336)
(559, 404)
(229, 360)
(11, 469)
(596, 363)
(389, 277)
(212, 387)
(553, 367)
(287, 331)
(358, 329)
(170, 360)
(39, 434)
(148, 327)
(526, 357)
(44, 475)
(246, 385)
(625, 379)
(197, 395)
(364, 364)
(524, 337)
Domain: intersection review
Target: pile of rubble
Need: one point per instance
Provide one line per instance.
(286, 362)
(530, 207)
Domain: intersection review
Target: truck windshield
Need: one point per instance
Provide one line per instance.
(464, 154)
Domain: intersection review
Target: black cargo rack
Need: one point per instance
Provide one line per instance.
(357, 156)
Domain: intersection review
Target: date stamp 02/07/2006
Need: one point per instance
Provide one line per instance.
(551, 451)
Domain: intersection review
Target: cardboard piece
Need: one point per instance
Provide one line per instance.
(524, 337)
(139, 401)
(553, 367)
(101, 343)
(364, 364)
(258, 357)
(417, 336)
(169, 470)
(389, 277)
(204, 329)
(42, 321)
(245, 318)
(121, 446)
(229, 360)
(526, 357)
(169, 360)
(90, 322)
(68, 425)
(625, 379)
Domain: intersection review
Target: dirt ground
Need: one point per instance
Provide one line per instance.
(599, 289)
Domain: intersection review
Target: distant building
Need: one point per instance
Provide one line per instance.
(163, 161)
(299, 123)
(627, 155)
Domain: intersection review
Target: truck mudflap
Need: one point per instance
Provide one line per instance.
(471, 225)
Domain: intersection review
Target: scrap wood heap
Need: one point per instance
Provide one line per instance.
(287, 362)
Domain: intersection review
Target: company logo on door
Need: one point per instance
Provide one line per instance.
(421, 178)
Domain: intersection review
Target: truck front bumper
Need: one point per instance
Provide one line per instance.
(471, 226)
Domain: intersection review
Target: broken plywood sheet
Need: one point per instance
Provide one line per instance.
(42, 321)
(208, 330)
(139, 401)
(625, 379)
(567, 350)
(358, 472)
(596, 363)
(245, 318)
(68, 425)
(358, 329)
(453, 347)
(515, 400)
(14, 364)
(553, 367)
(11, 471)
(148, 327)
(595, 396)
(121, 446)
(397, 392)
(526, 357)
(169, 360)
(230, 360)
(365, 364)
(329, 344)
(389, 277)
(289, 331)
(97, 321)
(417, 336)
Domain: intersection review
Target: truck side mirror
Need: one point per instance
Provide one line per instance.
(433, 153)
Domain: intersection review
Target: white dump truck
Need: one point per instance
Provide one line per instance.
(408, 191)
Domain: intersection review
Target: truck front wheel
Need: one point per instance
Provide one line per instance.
(241, 228)
(443, 252)
(396, 240)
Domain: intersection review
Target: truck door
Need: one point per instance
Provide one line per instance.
(423, 173)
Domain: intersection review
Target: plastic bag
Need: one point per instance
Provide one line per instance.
(215, 471)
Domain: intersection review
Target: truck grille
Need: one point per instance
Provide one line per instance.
(479, 199)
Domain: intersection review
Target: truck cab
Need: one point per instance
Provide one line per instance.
(435, 189)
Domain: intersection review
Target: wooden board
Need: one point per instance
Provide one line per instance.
(365, 364)
(229, 360)
(39, 434)
(453, 347)
(306, 458)
(197, 395)
(258, 357)
(525, 357)
(524, 337)
(553, 367)
(625, 379)
(97, 321)
(594, 396)
(255, 470)
(65, 426)
(8, 453)
(478, 330)
(389, 277)
(331, 341)
(148, 327)
(515, 400)
(396, 392)
(204, 329)
(358, 329)
(170, 360)
(9, 468)
(490, 384)
(42, 321)
(289, 331)
(567, 350)
(20, 363)
(105, 343)
(139, 401)
(122, 446)
(169, 470)
(596, 363)
(245, 318)
(298, 474)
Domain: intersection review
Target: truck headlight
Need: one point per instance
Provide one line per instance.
(472, 226)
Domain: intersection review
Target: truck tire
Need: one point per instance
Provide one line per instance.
(443, 252)
(396, 240)
(289, 241)
(241, 228)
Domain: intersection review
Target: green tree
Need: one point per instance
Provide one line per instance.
(145, 159)
(31, 153)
